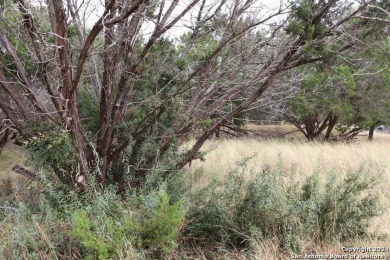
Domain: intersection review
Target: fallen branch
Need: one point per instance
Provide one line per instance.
(26, 173)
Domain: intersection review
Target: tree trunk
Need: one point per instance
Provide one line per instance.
(371, 133)
(331, 125)
(310, 127)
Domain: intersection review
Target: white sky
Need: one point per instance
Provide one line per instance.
(91, 10)
(95, 9)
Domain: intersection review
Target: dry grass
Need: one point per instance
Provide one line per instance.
(299, 160)
(303, 157)
(11, 155)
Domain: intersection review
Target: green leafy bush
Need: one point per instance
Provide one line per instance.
(52, 149)
(146, 221)
(343, 207)
(102, 238)
(158, 221)
(268, 205)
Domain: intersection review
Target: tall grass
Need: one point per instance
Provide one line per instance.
(303, 156)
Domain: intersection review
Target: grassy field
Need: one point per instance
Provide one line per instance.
(299, 159)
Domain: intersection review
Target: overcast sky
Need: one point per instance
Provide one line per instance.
(95, 9)
(91, 10)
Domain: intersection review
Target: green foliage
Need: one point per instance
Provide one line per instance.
(148, 221)
(90, 111)
(52, 149)
(348, 88)
(163, 65)
(354, 88)
(302, 21)
(72, 31)
(159, 222)
(152, 112)
(90, 226)
(328, 90)
(310, 100)
(266, 205)
(342, 209)
(203, 47)
(102, 238)
(373, 100)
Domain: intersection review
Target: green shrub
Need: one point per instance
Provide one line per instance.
(101, 238)
(158, 222)
(67, 225)
(52, 149)
(266, 205)
(92, 225)
(344, 207)
(213, 211)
